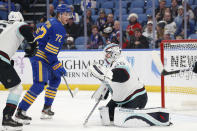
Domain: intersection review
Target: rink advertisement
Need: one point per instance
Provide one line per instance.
(76, 62)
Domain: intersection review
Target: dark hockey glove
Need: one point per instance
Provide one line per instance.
(30, 49)
(195, 67)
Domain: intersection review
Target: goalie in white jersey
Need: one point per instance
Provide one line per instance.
(12, 33)
(127, 91)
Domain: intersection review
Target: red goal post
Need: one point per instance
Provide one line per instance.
(178, 54)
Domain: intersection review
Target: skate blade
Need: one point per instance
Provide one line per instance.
(24, 122)
(9, 128)
(45, 117)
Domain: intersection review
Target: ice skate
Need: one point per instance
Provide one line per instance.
(22, 117)
(47, 113)
(8, 124)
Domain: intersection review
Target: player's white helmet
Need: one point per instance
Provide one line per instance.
(15, 16)
(112, 52)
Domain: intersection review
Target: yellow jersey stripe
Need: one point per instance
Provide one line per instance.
(27, 101)
(50, 94)
(50, 51)
(42, 54)
(55, 47)
(42, 57)
(40, 71)
(57, 66)
(51, 48)
(28, 98)
(32, 97)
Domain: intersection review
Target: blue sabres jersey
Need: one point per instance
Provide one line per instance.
(50, 38)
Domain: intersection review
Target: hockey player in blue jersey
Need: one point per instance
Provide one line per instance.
(46, 67)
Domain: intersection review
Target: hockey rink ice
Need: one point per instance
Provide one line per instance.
(70, 113)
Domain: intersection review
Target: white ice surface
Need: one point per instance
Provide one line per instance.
(71, 113)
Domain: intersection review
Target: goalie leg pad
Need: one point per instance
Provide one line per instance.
(104, 114)
(141, 118)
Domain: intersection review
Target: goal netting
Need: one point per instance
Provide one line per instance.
(179, 91)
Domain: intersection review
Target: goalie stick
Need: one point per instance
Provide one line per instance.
(86, 120)
(160, 66)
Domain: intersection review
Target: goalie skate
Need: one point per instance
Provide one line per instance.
(47, 114)
(22, 117)
(8, 124)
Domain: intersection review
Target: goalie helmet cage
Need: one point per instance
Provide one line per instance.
(178, 54)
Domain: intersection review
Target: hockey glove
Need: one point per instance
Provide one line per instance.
(195, 67)
(100, 72)
(30, 49)
(58, 69)
(101, 91)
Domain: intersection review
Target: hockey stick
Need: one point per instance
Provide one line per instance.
(68, 87)
(160, 66)
(86, 120)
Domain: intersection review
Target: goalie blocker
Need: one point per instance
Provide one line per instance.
(125, 117)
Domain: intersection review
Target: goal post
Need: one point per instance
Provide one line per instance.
(178, 55)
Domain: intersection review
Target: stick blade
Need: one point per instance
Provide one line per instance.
(157, 61)
(164, 72)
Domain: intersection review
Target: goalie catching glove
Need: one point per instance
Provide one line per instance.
(100, 72)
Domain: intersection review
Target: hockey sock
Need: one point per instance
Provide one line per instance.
(50, 94)
(9, 109)
(27, 100)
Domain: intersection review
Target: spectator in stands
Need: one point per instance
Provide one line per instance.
(138, 41)
(108, 27)
(51, 11)
(133, 24)
(179, 19)
(101, 20)
(95, 41)
(75, 14)
(190, 27)
(71, 28)
(89, 22)
(148, 32)
(24, 4)
(69, 44)
(89, 4)
(4, 9)
(89, 17)
(174, 8)
(170, 24)
(160, 32)
(57, 2)
(160, 10)
(167, 35)
(115, 29)
(189, 10)
(115, 35)
(179, 37)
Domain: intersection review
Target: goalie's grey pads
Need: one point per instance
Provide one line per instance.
(141, 118)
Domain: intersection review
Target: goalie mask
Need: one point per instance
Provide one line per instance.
(112, 52)
(15, 16)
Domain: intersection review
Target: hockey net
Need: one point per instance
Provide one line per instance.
(179, 91)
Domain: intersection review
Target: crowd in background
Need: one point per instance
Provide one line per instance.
(103, 25)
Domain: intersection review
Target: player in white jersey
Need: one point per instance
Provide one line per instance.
(12, 33)
(123, 83)
(127, 91)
